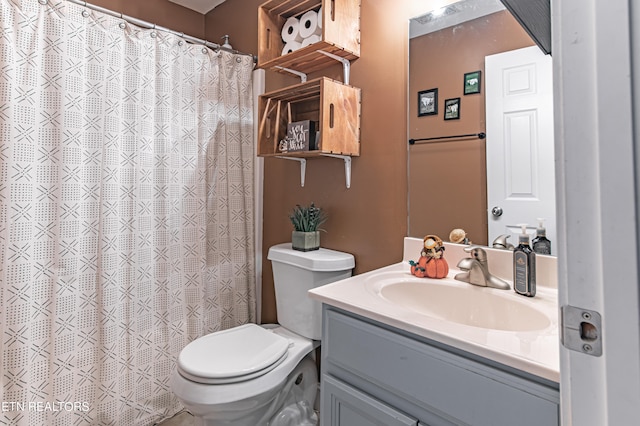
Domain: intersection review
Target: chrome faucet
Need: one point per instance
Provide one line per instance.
(501, 242)
(476, 270)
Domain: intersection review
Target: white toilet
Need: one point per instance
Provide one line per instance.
(254, 375)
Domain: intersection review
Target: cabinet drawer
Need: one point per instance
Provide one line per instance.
(347, 406)
(457, 388)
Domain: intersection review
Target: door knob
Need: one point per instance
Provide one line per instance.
(496, 211)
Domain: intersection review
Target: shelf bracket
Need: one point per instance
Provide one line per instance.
(347, 167)
(303, 167)
(346, 64)
(303, 76)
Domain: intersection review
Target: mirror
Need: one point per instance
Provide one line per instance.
(461, 89)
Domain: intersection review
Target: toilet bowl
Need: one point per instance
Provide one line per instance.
(254, 375)
(248, 398)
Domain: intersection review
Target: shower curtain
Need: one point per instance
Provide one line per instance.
(126, 211)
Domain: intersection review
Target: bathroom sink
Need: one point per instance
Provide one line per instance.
(465, 304)
(499, 325)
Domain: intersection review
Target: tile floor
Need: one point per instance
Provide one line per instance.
(186, 419)
(181, 419)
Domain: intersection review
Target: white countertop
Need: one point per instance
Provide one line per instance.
(535, 352)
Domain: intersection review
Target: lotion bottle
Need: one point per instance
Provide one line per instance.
(524, 266)
(541, 244)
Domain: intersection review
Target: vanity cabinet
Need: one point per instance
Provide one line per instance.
(347, 406)
(375, 374)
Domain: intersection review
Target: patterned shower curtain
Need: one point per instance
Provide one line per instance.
(126, 211)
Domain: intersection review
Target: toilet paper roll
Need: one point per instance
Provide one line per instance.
(310, 40)
(290, 46)
(320, 17)
(291, 30)
(309, 24)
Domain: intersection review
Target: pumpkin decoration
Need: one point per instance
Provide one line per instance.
(437, 268)
(432, 263)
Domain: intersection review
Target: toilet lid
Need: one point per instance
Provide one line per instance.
(236, 354)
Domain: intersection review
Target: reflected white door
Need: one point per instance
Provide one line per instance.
(520, 151)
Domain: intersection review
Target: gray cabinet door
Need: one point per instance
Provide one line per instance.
(346, 406)
(432, 384)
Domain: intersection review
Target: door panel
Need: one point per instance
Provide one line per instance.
(350, 407)
(520, 145)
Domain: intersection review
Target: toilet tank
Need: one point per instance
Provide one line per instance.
(294, 274)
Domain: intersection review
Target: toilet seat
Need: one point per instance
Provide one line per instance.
(248, 390)
(234, 355)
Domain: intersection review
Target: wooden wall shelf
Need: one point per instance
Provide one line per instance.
(332, 105)
(340, 34)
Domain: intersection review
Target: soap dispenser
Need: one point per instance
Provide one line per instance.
(524, 266)
(541, 244)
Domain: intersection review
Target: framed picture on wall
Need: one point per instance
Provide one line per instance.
(452, 109)
(428, 102)
(472, 82)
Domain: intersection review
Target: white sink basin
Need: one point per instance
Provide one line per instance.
(500, 325)
(465, 304)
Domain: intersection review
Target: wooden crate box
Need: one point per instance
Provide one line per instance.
(340, 33)
(332, 105)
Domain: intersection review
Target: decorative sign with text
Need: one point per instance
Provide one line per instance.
(301, 136)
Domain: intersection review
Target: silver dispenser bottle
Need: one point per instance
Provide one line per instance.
(524, 266)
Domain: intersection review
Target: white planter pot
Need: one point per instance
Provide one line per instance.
(305, 241)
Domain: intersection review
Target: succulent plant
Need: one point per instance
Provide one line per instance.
(307, 218)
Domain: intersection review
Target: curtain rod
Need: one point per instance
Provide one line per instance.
(149, 25)
(480, 135)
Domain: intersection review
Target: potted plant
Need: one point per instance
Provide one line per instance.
(306, 222)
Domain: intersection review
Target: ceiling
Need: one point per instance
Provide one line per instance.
(200, 6)
(455, 13)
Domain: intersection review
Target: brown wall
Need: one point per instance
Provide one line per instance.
(448, 178)
(159, 12)
(368, 220)
(238, 19)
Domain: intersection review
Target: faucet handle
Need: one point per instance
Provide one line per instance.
(477, 252)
